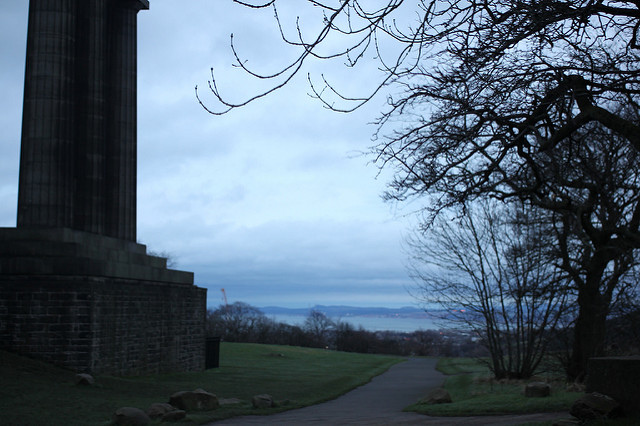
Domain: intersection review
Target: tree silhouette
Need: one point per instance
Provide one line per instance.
(535, 100)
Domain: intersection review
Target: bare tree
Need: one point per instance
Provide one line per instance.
(504, 99)
(238, 322)
(552, 41)
(319, 326)
(593, 194)
(492, 272)
(623, 327)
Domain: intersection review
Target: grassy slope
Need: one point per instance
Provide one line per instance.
(37, 393)
(474, 393)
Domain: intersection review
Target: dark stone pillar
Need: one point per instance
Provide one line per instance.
(92, 70)
(122, 136)
(46, 188)
(78, 160)
(618, 378)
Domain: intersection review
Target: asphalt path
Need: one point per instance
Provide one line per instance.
(380, 402)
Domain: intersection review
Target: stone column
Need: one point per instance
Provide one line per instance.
(46, 187)
(78, 155)
(91, 71)
(122, 113)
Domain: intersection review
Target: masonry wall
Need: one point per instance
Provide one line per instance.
(104, 325)
(617, 377)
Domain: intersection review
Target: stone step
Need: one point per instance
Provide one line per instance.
(66, 249)
(69, 236)
(81, 254)
(77, 266)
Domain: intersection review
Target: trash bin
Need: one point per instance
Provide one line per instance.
(212, 353)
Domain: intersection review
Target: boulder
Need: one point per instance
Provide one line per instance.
(174, 416)
(576, 387)
(595, 406)
(166, 412)
(437, 396)
(84, 379)
(229, 401)
(537, 390)
(262, 401)
(130, 416)
(159, 409)
(197, 400)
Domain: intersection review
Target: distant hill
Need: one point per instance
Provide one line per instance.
(347, 311)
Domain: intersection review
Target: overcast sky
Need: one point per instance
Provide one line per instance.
(272, 202)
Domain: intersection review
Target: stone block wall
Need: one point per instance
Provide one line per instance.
(104, 325)
(617, 377)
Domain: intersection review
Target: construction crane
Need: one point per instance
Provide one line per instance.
(224, 294)
(226, 304)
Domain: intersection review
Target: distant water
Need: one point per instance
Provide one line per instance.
(371, 323)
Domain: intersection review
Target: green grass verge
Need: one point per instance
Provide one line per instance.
(611, 422)
(616, 422)
(33, 392)
(453, 366)
(474, 393)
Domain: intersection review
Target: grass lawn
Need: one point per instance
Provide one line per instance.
(474, 393)
(35, 393)
(613, 422)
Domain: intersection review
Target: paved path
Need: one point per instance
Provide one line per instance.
(380, 402)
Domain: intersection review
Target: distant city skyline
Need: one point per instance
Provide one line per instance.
(273, 202)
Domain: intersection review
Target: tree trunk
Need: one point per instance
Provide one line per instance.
(589, 332)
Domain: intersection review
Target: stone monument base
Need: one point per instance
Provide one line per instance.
(97, 304)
